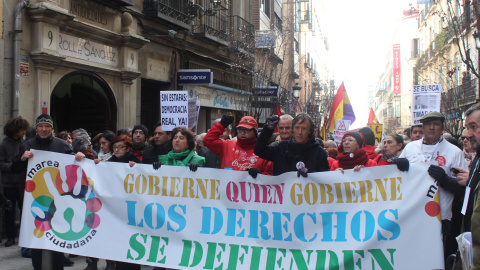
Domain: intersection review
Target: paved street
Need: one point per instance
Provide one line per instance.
(10, 259)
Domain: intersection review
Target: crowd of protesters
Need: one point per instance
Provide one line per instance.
(285, 144)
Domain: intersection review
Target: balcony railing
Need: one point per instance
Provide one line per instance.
(214, 27)
(243, 34)
(462, 96)
(175, 11)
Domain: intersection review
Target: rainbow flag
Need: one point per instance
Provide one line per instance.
(341, 109)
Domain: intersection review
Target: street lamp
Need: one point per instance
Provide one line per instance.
(296, 94)
(476, 35)
(296, 91)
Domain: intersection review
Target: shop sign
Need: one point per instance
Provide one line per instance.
(87, 50)
(266, 92)
(215, 98)
(194, 76)
(23, 65)
(265, 39)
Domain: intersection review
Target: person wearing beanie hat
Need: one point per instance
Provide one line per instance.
(352, 153)
(139, 139)
(300, 153)
(44, 140)
(237, 155)
(369, 136)
(44, 119)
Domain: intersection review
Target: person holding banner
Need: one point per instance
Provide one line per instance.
(301, 153)
(435, 149)
(182, 153)
(352, 153)
(392, 148)
(238, 155)
(121, 150)
(44, 140)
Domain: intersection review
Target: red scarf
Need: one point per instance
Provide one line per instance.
(348, 161)
(246, 142)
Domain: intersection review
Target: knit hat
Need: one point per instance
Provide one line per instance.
(368, 134)
(44, 119)
(357, 136)
(142, 128)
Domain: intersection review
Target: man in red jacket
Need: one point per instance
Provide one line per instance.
(238, 155)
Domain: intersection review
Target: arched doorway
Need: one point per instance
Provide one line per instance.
(83, 100)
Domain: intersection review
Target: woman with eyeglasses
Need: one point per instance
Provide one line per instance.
(121, 146)
(182, 154)
(352, 154)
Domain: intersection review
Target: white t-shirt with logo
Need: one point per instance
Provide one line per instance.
(446, 155)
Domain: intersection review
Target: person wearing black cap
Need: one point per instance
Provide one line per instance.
(433, 148)
(44, 140)
(139, 139)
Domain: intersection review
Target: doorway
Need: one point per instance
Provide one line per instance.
(83, 100)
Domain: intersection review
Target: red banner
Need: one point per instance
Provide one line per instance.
(396, 69)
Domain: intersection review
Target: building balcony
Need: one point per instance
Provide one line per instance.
(243, 34)
(461, 97)
(213, 26)
(174, 11)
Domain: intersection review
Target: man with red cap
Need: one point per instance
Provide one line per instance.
(238, 155)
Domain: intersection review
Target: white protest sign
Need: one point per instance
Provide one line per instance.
(173, 109)
(341, 128)
(376, 218)
(426, 98)
(193, 114)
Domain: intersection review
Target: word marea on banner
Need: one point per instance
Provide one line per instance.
(217, 219)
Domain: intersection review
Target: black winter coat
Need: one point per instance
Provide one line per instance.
(286, 154)
(9, 149)
(51, 143)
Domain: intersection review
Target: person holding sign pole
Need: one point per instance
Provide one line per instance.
(238, 155)
(182, 154)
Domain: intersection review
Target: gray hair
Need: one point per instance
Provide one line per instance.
(81, 132)
(286, 117)
(80, 143)
(200, 137)
(330, 144)
(475, 107)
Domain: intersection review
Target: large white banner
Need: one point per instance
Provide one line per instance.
(426, 98)
(377, 218)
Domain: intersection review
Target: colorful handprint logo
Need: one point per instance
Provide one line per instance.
(68, 208)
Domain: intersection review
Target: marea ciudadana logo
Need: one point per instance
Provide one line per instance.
(65, 211)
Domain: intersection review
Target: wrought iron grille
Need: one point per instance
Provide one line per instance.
(176, 9)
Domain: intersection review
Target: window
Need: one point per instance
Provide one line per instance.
(297, 46)
(278, 22)
(265, 7)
